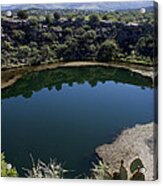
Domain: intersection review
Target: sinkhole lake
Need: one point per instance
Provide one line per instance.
(66, 113)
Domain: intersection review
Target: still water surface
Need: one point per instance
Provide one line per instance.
(66, 113)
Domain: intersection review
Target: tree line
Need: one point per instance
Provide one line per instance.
(36, 39)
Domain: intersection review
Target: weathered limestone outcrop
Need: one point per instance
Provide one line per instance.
(138, 142)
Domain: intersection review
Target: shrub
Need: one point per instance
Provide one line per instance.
(108, 51)
(56, 15)
(22, 14)
(94, 19)
(41, 170)
(6, 169)
(101, 171)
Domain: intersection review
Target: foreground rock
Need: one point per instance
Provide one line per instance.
(138, 142)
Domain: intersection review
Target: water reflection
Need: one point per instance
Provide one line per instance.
(36, 81)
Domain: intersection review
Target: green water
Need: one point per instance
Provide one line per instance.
(67, 112)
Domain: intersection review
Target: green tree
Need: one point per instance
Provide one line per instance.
(107, 51)
(6, 45)
(47, 54)
(34, 21)
(33, 44)
(69, 17)
(105, 17)
(22, 14)
(24, 53)
(89, 36)
(34, 57)
(56, 15)
(48, 19)
(145, 46)
(47, 36)
(71, 52)
(94, 19)
(67, 31)
(18, 35)
(79, 31)
(60, 51)
(80, 19)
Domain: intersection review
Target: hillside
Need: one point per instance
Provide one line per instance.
(103, 6)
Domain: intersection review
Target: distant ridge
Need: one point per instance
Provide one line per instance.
(101, 6)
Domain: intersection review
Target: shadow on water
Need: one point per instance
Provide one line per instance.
(35, 81)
